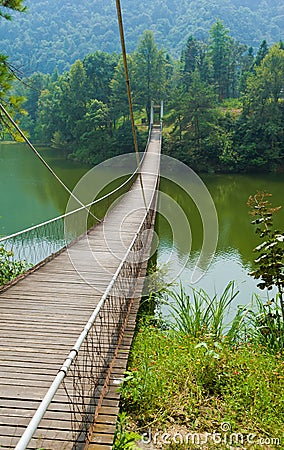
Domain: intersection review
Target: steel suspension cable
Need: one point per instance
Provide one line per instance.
(16, 126)
(129, 95)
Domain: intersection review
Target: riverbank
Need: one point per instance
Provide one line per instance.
(190, 390)
(179, 390)
(37, 144)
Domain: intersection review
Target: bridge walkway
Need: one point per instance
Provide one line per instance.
(42, 315)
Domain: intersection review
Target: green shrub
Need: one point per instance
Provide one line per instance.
(123, 439)
(10, 269)
(268, 319)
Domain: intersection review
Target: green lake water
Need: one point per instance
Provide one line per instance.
(30, 195)
(233, 258)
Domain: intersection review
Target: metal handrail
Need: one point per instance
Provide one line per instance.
(33, 425)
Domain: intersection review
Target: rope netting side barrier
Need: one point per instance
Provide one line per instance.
(83, 378)
(37, 243)
(87, 380)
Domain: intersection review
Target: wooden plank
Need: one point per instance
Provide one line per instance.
(42, 315)
(99, 446)
(102, 438)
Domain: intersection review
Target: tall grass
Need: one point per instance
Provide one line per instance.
(190, 374)
(265, 325)
(174, 378)
(197, 314)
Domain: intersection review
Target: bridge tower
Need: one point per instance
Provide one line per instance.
(157, 112)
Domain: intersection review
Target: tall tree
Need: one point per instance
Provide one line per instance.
(220, 51)
(6, 71)
(189, 60)
(62, 107)
(99, 67)
(73, 101)
(262, 52)
(235, 67)
(195, 121)
(49, 117)
(150, 75)
(247, 67)
(261, 134)
(119, 99)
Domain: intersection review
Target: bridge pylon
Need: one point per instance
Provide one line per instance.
(157, 112)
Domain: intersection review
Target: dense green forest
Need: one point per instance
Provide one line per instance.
(223, 100)
(224, 104)
(55, 34)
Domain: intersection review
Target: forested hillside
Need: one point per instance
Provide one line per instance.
(223, 103)
(56, 33)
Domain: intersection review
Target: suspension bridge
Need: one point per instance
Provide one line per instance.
(66, 325)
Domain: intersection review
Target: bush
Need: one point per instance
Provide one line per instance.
(10, 269)
(269, 321)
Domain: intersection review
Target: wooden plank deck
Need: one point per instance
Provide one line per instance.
(102, 436)
(43, 314)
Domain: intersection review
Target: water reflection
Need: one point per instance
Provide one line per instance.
(234, 255)
(29, 193)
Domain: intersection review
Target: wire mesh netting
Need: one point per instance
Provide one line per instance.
(35, 244)
(87, 376)
(87, 373)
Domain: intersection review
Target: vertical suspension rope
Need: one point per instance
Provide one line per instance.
(130, 103)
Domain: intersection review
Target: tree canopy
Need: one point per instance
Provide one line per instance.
(224, 103)
(7, 75)
(56, 34)
(6, 6)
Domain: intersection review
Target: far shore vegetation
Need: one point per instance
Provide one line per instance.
(224, 103)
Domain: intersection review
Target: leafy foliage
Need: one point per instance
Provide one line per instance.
(7, 71)
(9, 268)
(123, 439)
(52, 35)
(175, 378)
(270, 262)
(150, 73)
(224, 105)
(188, 374)
(85, 111)
(259, 133)
(10, 5)
(228, 136)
